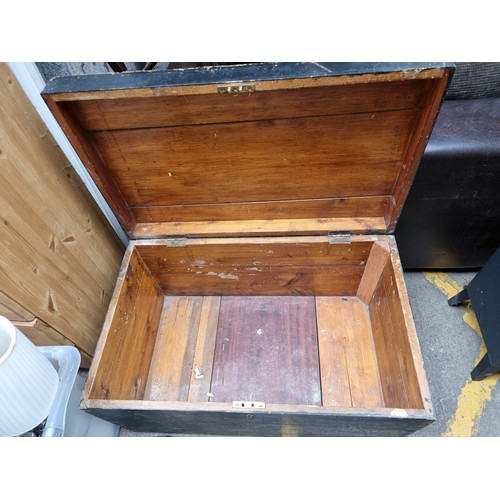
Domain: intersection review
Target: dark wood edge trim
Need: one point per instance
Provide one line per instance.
(396, 413)
(108, 321)
(93, 163)
(416, 149)
(221, 74)
(418, 360)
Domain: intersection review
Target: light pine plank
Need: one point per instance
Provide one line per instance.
(170, 373)
(205, 348)
(12, 310)
(379, 254)
(58, 256)
(348, 329)
(335, 389)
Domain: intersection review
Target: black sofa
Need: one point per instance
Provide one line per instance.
(451, 219)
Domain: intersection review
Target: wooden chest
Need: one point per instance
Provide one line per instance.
(262, 291)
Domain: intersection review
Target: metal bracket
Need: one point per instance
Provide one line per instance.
(251, 405)
(180, 241)
(235, 89)
(339, 237)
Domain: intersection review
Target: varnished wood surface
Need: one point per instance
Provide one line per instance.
(379, 254)
(130, 336)
(175, 110)
(289, 148)
(288, 159)
(349, 369)
(58, 256)
(396, 365)
(416, 147)
(267, 351)
(368, 207)
(181, 367)
(94, 164)
(273, 227)
(258, 269)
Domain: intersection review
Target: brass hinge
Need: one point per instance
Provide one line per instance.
(250, 405)
(339, 237)
(177, 241)
(235, 89)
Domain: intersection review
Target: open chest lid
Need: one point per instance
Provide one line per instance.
(253, 149)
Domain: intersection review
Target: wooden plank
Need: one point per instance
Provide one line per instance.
(335, 389)
(397, 371)
(253, 253)
(59, 257)
(134, 85)
(416, 147)
(333, 208)
(349, 370)
(93, 163)
(328, 280)
(170, 373)
(375, 264)
(175, 110)
(130, 336)
(261, 267)
(411, 334)
(359, 225)
(199, 387)
(318, 157)
(266, 350)
(11, 310)
(43, 335)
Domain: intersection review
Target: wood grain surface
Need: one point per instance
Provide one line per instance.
(258, 269)
(397, 370)
(59, 257)
(130, 336)
(267, 350)
(181, 366)
(349, 368)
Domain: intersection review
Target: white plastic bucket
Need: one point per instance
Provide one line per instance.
(28, 382)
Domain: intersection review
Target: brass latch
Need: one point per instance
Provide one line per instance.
(235, 89)
(251, 405)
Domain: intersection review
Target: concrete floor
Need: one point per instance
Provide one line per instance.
(451, 346)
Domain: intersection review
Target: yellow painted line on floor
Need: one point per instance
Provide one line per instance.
(474, 395)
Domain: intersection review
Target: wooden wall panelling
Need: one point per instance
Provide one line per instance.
(58, 256)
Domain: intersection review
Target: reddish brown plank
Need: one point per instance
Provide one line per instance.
(267, 350)
(397, 369)
(363, 207)
(165, 111)
(316, 157)
(131, 336)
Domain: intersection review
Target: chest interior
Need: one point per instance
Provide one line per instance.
(261, 275)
